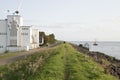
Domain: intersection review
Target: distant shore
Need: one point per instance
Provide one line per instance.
(111, 48)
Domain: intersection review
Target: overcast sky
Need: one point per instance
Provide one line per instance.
(71, 20)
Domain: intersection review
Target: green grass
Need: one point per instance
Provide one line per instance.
(53, 68)
(81, 67)
(10, 54)
(6, 55)
(59, 63)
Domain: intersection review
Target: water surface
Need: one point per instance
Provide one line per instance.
(109, 48)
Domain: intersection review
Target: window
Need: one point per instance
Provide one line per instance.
(1, 33)
(24, 28)
(13, 33)
(1, 46)
(13, 42)
(24, 33)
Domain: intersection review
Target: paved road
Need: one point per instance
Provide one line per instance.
(20, 55)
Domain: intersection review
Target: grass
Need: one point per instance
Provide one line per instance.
(53, 68)
(59, 63)
(81, 67)
(6, 55)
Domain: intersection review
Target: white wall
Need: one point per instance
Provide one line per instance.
(30, 37)
(25, 35)
(17, 18)
(34, 38)
(3, 35)
(15, 49)
(15, 22)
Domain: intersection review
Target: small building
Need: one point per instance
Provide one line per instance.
(16, 37)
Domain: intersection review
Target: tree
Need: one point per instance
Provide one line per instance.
(51, 38)
(47, 38)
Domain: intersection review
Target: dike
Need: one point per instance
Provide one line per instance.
(110, 64)
(61, 62)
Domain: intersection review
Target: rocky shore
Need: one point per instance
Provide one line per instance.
(111, 64)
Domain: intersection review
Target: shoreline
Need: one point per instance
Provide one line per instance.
(110, 64)
(111, 48)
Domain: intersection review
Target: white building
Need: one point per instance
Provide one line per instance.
(16, 37)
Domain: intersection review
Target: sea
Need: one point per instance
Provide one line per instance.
(110, 48)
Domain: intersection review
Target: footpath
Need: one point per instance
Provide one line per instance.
(19, 55)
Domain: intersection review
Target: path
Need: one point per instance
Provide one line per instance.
(20, 55)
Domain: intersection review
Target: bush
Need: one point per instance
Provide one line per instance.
(6, 51)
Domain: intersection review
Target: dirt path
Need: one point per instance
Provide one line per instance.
(21, 55)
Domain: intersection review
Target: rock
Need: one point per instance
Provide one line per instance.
(111, 66)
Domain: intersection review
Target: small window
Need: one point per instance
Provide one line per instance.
(1, 46)
(24, 33)
(1, 33)
(24, 28)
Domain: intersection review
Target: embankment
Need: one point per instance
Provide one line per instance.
(61, 62)
(110, 64)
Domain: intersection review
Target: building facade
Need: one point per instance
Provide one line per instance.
(16, 37)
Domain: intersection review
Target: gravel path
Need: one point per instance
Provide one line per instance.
(20, 55)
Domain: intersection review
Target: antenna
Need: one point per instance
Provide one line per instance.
(8, 11)
(17, 11)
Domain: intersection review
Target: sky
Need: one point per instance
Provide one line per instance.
(69, 20)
